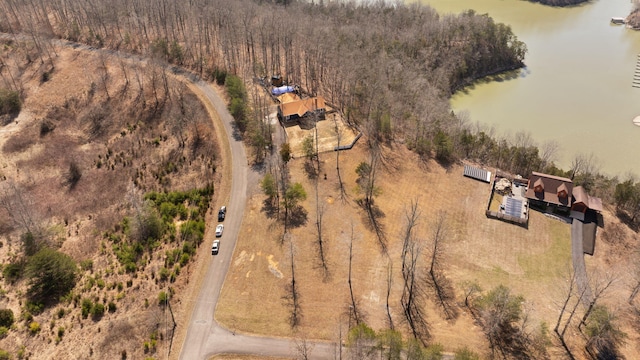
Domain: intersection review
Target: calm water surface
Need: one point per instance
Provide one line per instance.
(576, 87)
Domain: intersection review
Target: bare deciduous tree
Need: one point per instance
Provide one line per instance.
(570, 292)
(292, 296)
(440, 283)
(367, 174)
(601, 283)
(303, 347)
(338, 131)
(319, 217)
(19, 206)
(354, 311)
(389, 283)
(549, 153)
(412, 299)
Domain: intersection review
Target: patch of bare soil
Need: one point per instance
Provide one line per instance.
(533, 262)
(331, 133)
(128, 128)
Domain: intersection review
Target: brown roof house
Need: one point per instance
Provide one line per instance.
(556, 193)
(296, 109)
(545, 190)
(583, 201)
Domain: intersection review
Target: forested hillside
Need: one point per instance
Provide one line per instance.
(107, 169)
(389, 67)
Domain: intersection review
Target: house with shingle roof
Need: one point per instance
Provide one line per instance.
(294, 109)
(546, 191)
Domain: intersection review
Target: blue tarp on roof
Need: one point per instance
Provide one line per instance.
(281, 90)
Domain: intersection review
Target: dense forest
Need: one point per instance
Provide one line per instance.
(389, 67)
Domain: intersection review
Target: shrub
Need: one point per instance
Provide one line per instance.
(164, 274)
(90, 283)
(46, 127)
(6, 317)
(97, 311)
(3, 332)
(111, 307)
(184, 259)
(74, 174)
(87, 305)
(168, 211)
(10, 102)
(34, 308)
(30, 244)
(188, 248)
(86, 264)
(51, 274)
(61, 331)
(192, 230)
(4, 355)
(163, 297)
(34, 327)
(465, 354)
(219, 75)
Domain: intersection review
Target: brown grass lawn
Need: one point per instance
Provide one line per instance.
(533, 262)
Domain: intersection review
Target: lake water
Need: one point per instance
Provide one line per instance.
(576, 87)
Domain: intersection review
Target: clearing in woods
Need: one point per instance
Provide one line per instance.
(530, 262)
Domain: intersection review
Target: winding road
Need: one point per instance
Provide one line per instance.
(205, 337)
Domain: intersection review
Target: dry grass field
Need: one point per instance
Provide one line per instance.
(533, 262)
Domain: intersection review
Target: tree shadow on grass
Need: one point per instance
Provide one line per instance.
(297, 217)
(372, 218)
(270, 209)
(310, 170)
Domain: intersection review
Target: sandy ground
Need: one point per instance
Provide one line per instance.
(332, 132)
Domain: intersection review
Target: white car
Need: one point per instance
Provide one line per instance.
(215, 247)
(219, 230)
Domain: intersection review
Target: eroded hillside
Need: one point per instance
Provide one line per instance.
(112, 162)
